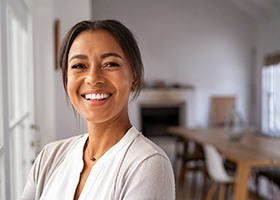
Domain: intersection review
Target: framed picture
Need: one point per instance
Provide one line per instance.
(56, 42)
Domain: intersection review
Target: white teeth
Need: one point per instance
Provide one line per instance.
(96, 96)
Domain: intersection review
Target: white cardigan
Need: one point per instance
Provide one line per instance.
(133, 169)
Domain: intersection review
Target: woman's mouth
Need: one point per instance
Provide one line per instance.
(99, 96)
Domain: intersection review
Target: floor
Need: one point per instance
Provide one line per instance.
(187, 192)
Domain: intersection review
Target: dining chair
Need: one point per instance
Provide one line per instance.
(191, 159)
(221, 108)
(217, 172)
(272, 174)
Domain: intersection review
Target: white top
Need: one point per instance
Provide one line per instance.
(133, 169)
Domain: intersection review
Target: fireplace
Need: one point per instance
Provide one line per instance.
(161, 108)
(155, 118)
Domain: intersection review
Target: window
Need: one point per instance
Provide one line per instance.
(271, 96)
(20, 109)
(16, 99)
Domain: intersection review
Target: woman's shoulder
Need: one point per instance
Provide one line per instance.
(144, 166)
(143, 148)
(61, 145)
(53, 153)
(48, 160)
(148, 146)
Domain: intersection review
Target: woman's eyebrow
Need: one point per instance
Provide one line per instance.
(78, 56)
(105, 55)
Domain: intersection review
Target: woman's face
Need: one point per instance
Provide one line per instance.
(99, 77)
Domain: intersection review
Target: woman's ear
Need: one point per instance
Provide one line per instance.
(133, 86)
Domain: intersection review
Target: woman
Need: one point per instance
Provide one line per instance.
(102, 67)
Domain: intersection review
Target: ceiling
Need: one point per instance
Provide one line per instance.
(258, 9)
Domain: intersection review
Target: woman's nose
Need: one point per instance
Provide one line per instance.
(94, 76)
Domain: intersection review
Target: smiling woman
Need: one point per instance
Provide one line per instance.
(101, 66)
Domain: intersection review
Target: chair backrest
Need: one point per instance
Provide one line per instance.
(215, 165)
(221, 107)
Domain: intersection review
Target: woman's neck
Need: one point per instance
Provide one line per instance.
(103, 136)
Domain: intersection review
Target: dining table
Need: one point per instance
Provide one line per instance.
(252, 151)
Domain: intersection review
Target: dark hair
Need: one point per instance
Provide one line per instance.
(123, 36)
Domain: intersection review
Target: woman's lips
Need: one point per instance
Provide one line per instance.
(97, 96)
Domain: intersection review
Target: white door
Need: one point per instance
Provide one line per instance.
(17, 151)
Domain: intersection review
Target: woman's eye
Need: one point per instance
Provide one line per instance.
(111, 64)
(78, 66)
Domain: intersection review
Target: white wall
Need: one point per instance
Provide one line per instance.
(42, 16)
(204, 43)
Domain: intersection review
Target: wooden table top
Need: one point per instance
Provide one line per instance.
(254, 149)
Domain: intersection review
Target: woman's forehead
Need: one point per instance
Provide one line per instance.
(99, 40)
(96, 37)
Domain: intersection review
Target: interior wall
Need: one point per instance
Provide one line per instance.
(69, 12)
(204, 43)
(42, 17)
